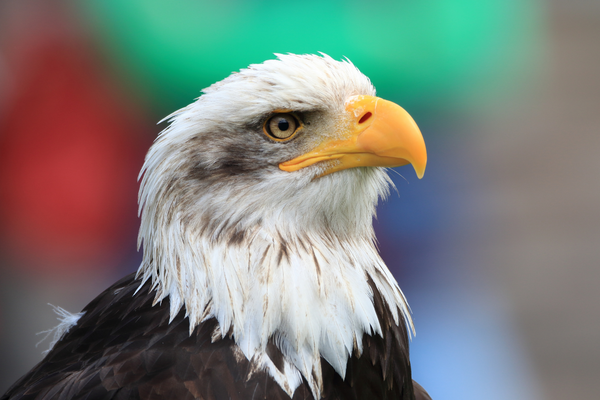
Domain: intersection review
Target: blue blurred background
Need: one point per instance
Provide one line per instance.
(496, 248)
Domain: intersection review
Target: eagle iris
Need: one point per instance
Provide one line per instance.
(281, 126)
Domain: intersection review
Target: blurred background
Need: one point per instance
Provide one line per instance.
(497, 248)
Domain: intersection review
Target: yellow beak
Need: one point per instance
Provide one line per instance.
(380, 134)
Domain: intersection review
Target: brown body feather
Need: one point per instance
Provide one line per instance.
(123, 347)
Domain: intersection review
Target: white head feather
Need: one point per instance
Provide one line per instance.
(272, 255)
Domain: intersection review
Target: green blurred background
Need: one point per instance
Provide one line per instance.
(434, 53)
(496, 248)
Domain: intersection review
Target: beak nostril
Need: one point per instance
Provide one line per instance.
(365, 117)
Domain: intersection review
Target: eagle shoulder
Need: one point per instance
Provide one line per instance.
(124, 347)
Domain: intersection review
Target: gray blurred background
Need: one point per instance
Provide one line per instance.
(497, 248)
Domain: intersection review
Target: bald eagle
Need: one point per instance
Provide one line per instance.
(260, 278)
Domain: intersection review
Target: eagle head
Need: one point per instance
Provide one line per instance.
(256, 209)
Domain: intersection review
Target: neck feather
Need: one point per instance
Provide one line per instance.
(309, 294)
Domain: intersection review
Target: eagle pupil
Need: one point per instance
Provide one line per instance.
(283, 125)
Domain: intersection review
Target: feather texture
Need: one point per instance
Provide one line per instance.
(124, 347)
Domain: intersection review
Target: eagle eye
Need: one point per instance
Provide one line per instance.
(281, 126)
